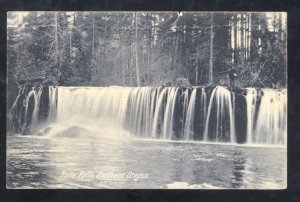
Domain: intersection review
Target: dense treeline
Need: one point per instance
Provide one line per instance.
(146, 48)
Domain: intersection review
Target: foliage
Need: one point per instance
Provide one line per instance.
(107, 48)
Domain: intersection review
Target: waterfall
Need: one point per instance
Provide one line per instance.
(185, 95)
(141, 110)
(91, 103)
(189, 125)
(35, 93)
(158, 111)
(197, 113)
(52, 103)
(251, 106)
(220, 115)
(169, 111)
(203, 105)
(271, 123)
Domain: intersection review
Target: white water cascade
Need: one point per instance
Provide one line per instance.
(52, 103)
(35, 93)
(189, 125)
(140, 107)
(185, 96)
(221, 107)
(91, 103)
(171, 113)
(203, 105)
(271, 123)
(251, 106)
(158, 110)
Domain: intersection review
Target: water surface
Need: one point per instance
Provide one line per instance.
(81, 162)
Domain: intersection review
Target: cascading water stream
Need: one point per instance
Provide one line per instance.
(35, 93)
(169, 113)
(158, 111)
(52, 103)
(203, 105)
(185, 95)
(189, 125)
(251, 106)
(221, 109)
(141, 104)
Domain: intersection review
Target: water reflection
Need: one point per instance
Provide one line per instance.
(238, 170)
(38, 163)
(28, 168)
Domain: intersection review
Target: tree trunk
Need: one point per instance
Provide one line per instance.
(259, 38)
(123, 74)
(211, 50)
(98, 59)
(197, 67)
(56, 42)
(242, 27)
(254, 41)
(231, 34)
(149, 49)
(130, 67)
(178, 54)
(280, 27)
(249, 35)
(70, 45)
(235, 41)
(138, 83)
(93, 42)
(70, 41)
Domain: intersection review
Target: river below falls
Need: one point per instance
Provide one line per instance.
(81, 162)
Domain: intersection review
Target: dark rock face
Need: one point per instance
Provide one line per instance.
(16, 116)
(240, 117)
(178, 120)
(31, 101)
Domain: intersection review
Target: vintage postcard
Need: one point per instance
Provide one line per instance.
(146, 100)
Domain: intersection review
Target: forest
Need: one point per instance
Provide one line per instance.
(146, 48)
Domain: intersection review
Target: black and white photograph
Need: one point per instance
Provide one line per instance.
(146, 100)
